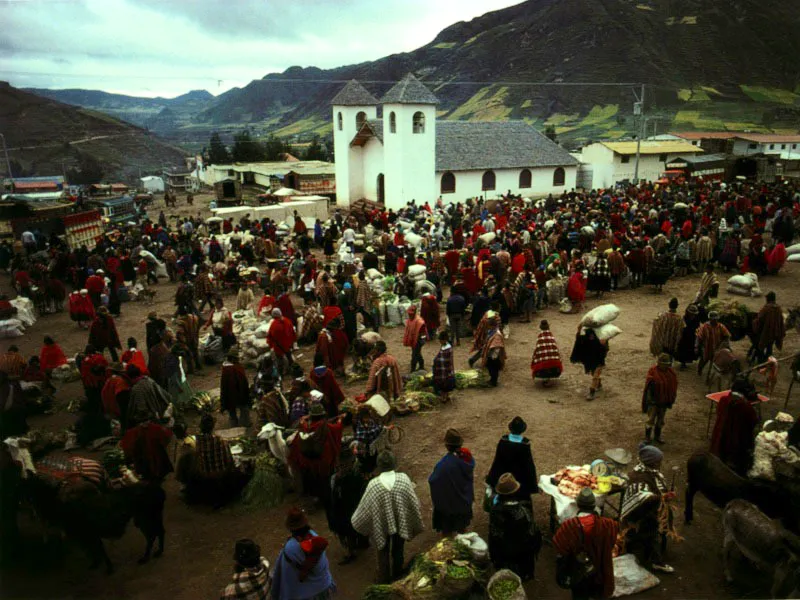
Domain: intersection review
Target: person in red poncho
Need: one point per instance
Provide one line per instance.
(146, 447)
(429, 311)
(134, 356)
(284, 302)
(315, 456)
(660, 392)
(103, 333)
(267, 302)
(234, 391)
(281, 338)
(733, 438)
(451, 260)
(576, 289)
(51, 356)
(95, 284)
(116, 393)
(332, 341)
(414, 337)
(81, 308)
(324, 380)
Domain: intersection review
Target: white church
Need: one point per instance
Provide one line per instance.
(405, 154)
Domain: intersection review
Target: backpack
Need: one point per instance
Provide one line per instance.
(313, 446)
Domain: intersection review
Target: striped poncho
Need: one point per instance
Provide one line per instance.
(546, 357)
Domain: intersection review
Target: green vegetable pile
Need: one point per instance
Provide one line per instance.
(458, 572)
(472, 378)
(419, 382)
(505, 589)
(265, 489)
(203, 402)
(388, 284)
(380, 592)
(732, 314)
(354, 377)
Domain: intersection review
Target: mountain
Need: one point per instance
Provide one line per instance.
(45, 137)
(707, 65)
(143, 112)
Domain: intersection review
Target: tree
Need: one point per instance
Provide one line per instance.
(550, 132)
(315, 151)
(247, 149)
(217, 152)
(274, 147)
(89, 170)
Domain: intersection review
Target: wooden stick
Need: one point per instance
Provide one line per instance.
(764, 364)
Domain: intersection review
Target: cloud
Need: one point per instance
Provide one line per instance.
(167, 47)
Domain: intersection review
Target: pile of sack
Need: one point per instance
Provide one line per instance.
(600, 320)
(417, 273)
(393, 309)
(375, 281)
(25, 310)
(556, 289)
(744, 285)
(251, 334)
(793, 253)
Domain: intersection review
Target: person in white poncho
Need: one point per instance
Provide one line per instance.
(389, 514)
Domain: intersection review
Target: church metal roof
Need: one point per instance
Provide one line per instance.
(409, 90)
(465, 146)
(354, 94)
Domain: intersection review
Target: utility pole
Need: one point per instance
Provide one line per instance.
(8, 162)
(638, 109)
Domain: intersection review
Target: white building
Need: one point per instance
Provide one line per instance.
(611, 162)
(152, 184)
(406, 154)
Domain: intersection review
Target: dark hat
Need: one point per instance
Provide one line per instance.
(713, 315)
(692, 309)
(586, 500)
(296, 519)
(650, 455)
(247, 553)
(453, 438)
(386, 461)
(507, 484)
(517, 426)
(317, 410)
(664, 359)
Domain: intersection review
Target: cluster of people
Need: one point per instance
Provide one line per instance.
(495, 260)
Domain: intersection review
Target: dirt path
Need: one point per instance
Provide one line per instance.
(197, 562)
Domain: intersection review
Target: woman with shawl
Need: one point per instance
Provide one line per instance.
(546, 360)
(444, 376)
(493, 355)
(691, 321)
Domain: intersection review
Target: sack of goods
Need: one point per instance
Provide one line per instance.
(602, 315)
(608, 331)
(744, 285)
(369, 232)
(376, 285)
(374, 274)
(416, 272)
(793, 249)
(487, 238)
(25, 310)
(423, 287)
(412, 239)
(11, 328)
(556, 290)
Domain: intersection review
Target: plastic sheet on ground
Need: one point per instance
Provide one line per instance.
(630, 578)
(566, 507)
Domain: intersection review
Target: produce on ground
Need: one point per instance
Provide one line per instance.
(266, 488)
(504, 589)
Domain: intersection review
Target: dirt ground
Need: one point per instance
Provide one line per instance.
(564, 428)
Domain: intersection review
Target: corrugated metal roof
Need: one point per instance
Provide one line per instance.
(706, 135)
(762, 138)
(464, 145)
(700, 159)
(35, 185)
(354, 94)
(770, 138)
(649, 147)
(409, 90)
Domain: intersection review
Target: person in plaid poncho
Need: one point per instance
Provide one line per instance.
(546, 360)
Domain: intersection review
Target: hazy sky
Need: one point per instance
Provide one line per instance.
(168, 47)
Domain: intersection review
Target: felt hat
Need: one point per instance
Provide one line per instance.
(507, 484)
(247, 553)
(386, 461)
(619, 455)
(517, 426)
(316, 410)
(713, 315)
(102, 310)
(586, 500)
(296, 519)
(664, 360)
(692, 309)
(453, 438)
(650, 455)
(152, 315)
